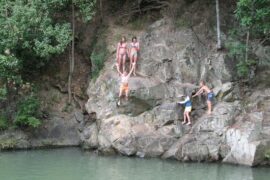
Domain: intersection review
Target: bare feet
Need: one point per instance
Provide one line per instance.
(189, 123)
(118, 103)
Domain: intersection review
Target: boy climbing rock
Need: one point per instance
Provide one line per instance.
(210, 95)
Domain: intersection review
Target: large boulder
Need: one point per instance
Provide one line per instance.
(248, 146)
(55, 131)
(121, 134)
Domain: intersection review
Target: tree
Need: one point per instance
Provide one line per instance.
(29, 37)
(87, 9)
(254, 19)
(218, 26)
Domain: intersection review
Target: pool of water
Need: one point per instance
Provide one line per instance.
(74, 164)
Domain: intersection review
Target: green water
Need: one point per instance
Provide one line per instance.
(74, 164)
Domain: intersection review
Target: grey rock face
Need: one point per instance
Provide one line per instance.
(148, 125)
(54, 132)
(206, 137)
(247, 144)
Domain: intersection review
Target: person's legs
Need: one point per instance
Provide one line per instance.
(209, 107)
(210, 98)
(135, 58)
(124, 62)
(120, 63)
(131, 61)
(188, 118)
(120, 94)
(184, 118)
(126, 93)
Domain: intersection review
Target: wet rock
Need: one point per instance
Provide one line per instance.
(79, 116)
(89, 137)
(115, 133)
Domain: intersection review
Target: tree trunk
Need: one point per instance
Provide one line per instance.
(219, 46)
(71, 61)
(101, 9)
(247, 42)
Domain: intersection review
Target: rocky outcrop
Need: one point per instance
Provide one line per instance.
(206, 140)
(121, 134)
(55, 132)
(148, 125)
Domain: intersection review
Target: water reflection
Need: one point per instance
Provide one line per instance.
(73, 164)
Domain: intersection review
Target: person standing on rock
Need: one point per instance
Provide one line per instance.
(121, 53)
(124, 83)
(210, 95)
(188, 106)
(133, 53)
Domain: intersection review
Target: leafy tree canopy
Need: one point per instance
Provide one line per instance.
(254, 15)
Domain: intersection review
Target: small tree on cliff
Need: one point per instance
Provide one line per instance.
(254, 18)
(87, 10)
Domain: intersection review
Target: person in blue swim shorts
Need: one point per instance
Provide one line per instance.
(209, 93)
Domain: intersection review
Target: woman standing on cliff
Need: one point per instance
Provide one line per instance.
(121, 53)
(133, 53)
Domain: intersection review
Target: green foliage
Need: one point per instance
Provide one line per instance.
(139, 23)
(182, 22)
(98, 57)
(254, 19)
(3, 93)
(267, 154)
(29, 36)
(237, 51)
(7, 143)
(28, 111)
(254, 15)
(87, 8)
(32, 32)
(3, 122)
(9, 67)
(243, 67)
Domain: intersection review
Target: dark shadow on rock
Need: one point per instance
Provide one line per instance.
(133, 106)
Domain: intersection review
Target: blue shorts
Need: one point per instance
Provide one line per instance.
(210, 96)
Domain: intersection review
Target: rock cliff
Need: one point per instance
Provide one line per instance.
(172, 61)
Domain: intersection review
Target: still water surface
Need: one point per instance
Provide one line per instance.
(74, 164)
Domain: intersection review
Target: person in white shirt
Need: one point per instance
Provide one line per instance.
(188, 106)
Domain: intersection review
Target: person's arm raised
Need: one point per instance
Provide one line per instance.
(128, 51)
(199, 92)
(133, 65)
(117, 51)
(186, 100)
(118, 70)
